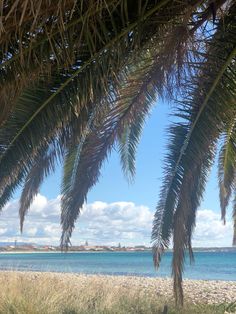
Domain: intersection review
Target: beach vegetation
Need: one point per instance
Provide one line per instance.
(34, 295)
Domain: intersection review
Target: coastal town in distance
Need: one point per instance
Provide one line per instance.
(31, 247)
(86, 247)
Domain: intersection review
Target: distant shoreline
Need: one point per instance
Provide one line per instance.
(195, 250)
(59, 252)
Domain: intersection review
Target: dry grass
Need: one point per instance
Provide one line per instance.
(23, 294)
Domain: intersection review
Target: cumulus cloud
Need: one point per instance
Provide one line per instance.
(210, 231)
(103, 223)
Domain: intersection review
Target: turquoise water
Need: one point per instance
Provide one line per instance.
(208, 265)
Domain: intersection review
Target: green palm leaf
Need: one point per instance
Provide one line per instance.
(44, 111)
(43, 166)
(192, 153)
(81, 172)
(234, 220)
(141, 80)
(226, 169)
(45, 107)
(139, 90)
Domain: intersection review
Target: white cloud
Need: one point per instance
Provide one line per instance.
(3, 231)
(210, 231)
(103, 223)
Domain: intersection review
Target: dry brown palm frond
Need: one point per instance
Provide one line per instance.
(92, 28)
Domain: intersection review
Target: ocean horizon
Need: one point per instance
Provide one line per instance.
(213, 265)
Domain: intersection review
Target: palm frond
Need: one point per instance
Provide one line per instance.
(62, 40)
(234, 221)
(191, 156)
(81, 172)
(139, 90)
(43, 111)
(226, 168)
(41, 108)
(185, 216)
(9, 189)
(74, 35)
(128, 143)
(44, 165)
(30, 125)
(141, 80)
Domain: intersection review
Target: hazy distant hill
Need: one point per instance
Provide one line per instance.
(13, 243)
(215, 249)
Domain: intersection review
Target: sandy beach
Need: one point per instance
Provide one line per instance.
(196, 291)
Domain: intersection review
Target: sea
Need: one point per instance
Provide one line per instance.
(207, 265)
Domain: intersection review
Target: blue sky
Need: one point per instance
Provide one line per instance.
(118, 211)
(113, 185)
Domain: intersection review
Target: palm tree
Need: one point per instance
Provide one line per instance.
(79, 77)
